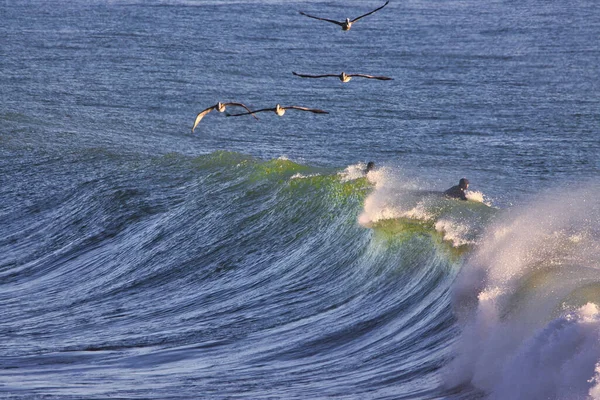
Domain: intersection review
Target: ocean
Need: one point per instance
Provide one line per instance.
(257, 259)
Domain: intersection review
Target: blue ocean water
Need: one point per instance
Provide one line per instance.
(256, 259)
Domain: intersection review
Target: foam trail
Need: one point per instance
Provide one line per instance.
(453, 232)
(353, 172)
(392, 198)
(396, 197)
(527, 301)
(375, 176)
(477, 196)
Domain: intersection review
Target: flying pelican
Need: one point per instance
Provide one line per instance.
(279, 110)
(221, 108)
(344, 77)
(347, 24)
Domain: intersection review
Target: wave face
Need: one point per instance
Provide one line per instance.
(224, 275)
(219, 275)
(528, 299)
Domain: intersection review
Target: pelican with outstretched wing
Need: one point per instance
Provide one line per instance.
(279, 110)
(219, 107)
(347, 24)
(344, 77)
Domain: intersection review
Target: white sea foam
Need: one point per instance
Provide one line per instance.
(395, 196)
(389, 198)
(353, 172)
(523, 336)
(478, 197)
(456, 233)
(298, 175)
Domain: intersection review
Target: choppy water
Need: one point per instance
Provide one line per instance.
(255, 259)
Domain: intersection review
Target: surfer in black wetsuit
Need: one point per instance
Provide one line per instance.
(458, 191)
(370, 166)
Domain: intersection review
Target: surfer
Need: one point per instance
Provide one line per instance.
(458, 191)
(370, 167)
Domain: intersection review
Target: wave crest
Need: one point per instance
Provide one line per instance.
(525, 334)
(398, 199)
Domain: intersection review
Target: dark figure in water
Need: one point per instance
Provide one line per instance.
(458, 191)
(370, 166)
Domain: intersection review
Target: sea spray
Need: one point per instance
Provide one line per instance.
(393, 197)
(478, 197)
(352, 172)
(398, 199)
(522, 335)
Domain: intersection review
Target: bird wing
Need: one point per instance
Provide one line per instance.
(243, 106)
(381, 78)
(312, 110)
(251, 112)
(322, 19)
(314, 76)
(370, 12)
(201, 115)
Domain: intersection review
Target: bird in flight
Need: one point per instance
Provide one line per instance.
(344, 77)
(347, 24)
(221, 108)
(279, 110)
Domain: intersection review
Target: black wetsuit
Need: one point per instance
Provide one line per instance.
(456, 192)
